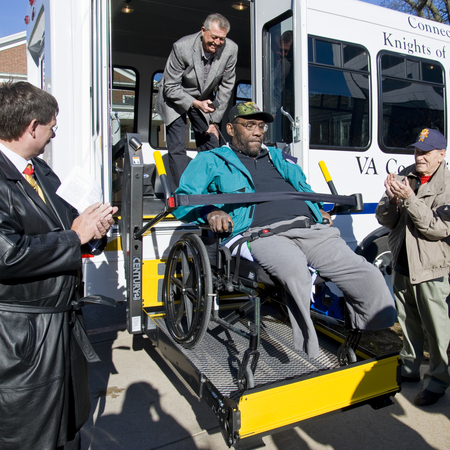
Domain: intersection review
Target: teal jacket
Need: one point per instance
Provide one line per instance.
(219, 171)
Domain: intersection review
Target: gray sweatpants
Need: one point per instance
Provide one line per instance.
(287, 255)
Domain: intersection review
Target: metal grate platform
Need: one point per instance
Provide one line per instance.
(220, 352)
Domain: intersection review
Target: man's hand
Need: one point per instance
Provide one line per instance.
(325, 215)
(94, 222)
(218, 221)
(205, 105)
(213, 130)
(397, 190)
(104, 224)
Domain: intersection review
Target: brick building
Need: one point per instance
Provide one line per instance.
(13, 57)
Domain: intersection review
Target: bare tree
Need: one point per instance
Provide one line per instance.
(438, 10)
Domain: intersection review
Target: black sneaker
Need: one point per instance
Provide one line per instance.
(426, 398)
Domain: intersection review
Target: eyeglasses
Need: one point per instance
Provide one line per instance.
(252, 125)
(54, 129)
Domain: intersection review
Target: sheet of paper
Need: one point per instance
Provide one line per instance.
(80, 189)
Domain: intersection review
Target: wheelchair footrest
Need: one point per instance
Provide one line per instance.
(237, 315)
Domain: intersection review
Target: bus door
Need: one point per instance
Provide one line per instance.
(101, 96)
(281, 81)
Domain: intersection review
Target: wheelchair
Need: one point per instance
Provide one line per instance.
(203, 284)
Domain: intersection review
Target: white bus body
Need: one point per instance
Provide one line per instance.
(363, 81)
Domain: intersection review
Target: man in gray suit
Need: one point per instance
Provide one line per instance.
(199, 70)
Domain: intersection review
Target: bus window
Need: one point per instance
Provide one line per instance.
(243, 92)
(124, 94)
(412, 98)
(339, 94)
(279, 78)
(157, 130)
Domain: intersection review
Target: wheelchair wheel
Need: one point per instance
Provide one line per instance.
(187, 290)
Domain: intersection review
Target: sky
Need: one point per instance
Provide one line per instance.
(13, 13)
(12, 16)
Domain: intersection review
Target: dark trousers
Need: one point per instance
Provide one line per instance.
(176, 142)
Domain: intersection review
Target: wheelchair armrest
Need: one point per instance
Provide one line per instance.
(206, 228)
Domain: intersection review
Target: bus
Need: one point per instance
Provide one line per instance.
(356, 86)
(362, 82)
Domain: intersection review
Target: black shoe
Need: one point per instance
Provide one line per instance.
(426, 398)
(410, 379)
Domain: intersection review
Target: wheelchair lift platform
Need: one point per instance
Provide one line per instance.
(289, 386)
(286, 386)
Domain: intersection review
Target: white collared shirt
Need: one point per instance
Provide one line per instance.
(19, 163)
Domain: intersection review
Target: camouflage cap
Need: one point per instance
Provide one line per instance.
(248, 110)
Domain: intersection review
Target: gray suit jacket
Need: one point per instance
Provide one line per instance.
(182, 81)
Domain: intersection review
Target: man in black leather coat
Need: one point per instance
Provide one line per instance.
(44, 398)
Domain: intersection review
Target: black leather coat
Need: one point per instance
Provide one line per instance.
(44, 396)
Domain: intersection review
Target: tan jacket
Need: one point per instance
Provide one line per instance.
(425, 218)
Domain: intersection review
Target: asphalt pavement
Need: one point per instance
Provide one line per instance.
(139, 403)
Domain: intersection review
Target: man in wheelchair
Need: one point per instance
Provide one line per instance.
(300, 237)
